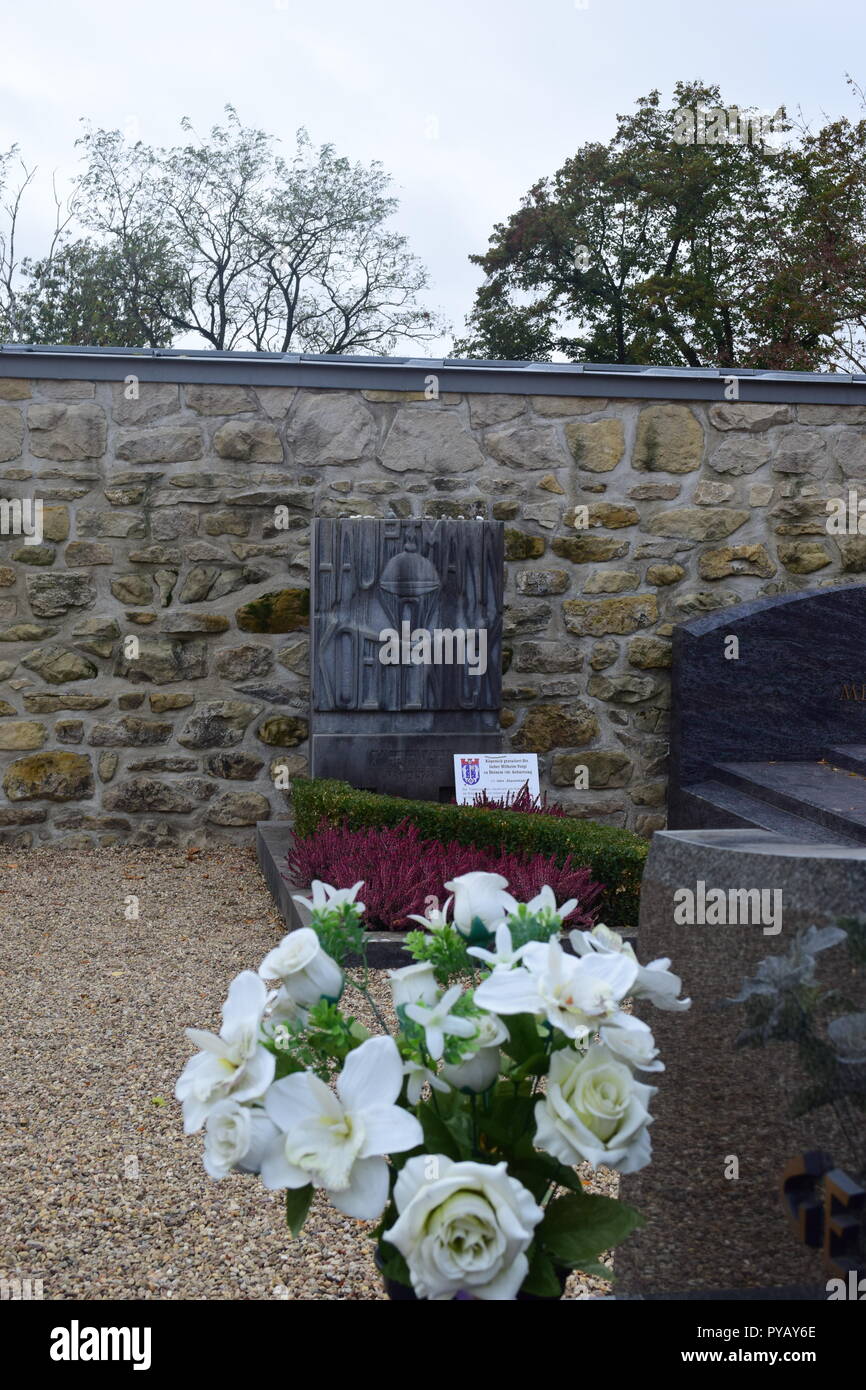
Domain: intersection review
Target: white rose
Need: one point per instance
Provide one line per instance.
(236, 1136)
(414, 984)
(632, 1040)
(479, 1071)
(308, 973)
(595, 1111)
(465, 1229)
(480, 895)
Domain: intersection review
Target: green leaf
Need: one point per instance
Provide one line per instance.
(576, 1229)
(524, 1040)
(392, 1264)
(540, 1170)
(438, 1136)
(599, 1270)
(542, 1279)
(298, 1201)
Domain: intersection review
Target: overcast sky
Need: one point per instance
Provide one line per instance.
(465, 102)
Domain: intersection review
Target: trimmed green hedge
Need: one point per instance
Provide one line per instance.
(615, 857)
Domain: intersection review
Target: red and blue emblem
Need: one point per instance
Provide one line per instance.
(470, 771)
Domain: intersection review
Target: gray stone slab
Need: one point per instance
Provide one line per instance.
(415, 764)
(715, 1100)
(797, 687)
(716, 804)
(835, 797)
(394, 724)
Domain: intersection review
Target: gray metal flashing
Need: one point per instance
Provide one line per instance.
(347, 373)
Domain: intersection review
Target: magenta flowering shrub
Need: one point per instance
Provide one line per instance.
(401, 872)
(522, 801)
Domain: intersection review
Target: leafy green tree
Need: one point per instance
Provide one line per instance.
(220, 239)
(271, 254)
(101, 296)
(657, 250)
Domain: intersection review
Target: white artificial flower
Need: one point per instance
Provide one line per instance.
(437, 1020)
(436, 918)
(236, 1136)
(232, 1064)
(848, 1036)
(631, 1039)
(414, 984)
(544, 905)
(483, 896)
(505, 955)
(307, 972)
(282, 1008)
(594, 1111)
(478, 1071)
(575, 995)
(325, 897)
(337, 1142)
(419, 1075)
(653, 982)
(463, 1227)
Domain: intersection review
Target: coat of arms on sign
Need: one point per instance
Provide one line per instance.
(470, 771)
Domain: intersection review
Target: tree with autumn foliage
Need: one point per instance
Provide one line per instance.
(651, 251)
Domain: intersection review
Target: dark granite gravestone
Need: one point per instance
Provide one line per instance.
(393, 725)
(730, 1120)
(774, 736)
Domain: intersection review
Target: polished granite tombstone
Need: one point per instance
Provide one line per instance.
(395, 727)
(708, 1231)
(773, 737)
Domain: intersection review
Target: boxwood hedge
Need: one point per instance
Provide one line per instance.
(615, 857)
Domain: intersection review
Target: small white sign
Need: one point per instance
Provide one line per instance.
(497, 774)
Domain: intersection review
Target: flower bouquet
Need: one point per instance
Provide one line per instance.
(459, 1131)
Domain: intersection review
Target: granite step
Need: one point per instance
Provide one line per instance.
(832, 796)
(715, 805)
(850, 755)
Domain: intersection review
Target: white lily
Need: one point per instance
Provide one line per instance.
(654, 982)
(338, 1142)
(232, 1064)
(544, 905)
(436, 918)
(419, 1076)
(576, 996)
(282, 1008)
(506, 954)
(437, 1020)
(324, 896)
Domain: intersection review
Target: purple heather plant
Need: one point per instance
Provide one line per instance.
(521, 800)
(401, 872)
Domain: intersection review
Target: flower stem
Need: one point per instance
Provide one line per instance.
(363, 990)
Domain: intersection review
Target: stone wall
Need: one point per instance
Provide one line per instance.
(161, 524)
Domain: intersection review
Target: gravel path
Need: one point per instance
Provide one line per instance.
(102, 1195)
